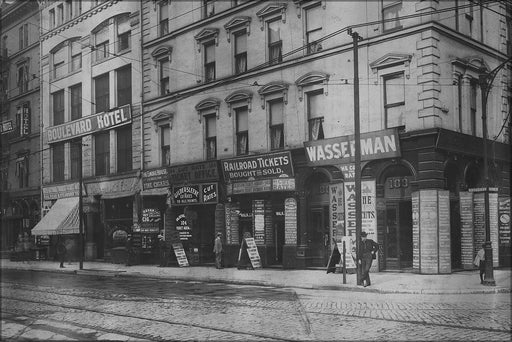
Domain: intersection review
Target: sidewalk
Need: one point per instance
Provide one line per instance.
(382, 282)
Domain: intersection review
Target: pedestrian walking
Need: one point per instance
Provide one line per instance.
(217, 249)
(61, 252)
(163, 251)
(366, 255)
(480, 262)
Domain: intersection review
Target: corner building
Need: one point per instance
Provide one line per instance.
(91, 123)
(236, 88)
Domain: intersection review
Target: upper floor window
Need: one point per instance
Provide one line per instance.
(208, 8)
(313, 28)
(58, 162)
(275, 44)
(76, 102)
(240, 51)
(165, 144)
(211, 136)
(124, 148)
(69, 9)
(390, 14)
(276, 109)
(124, 85)
(60, 14)
(22, 171)
(315, 113)
(102, 153)
(76, 56)
(101, 42)
(22, 79)
(75, 147)
(209, 61)
(59, 62)
(242, 130)
(58, 107)
(473, 105)
(102, 93)
(123, 32)
(23, 31)
(394, 100)
(52, 18)
(163, 23)
(164, 66)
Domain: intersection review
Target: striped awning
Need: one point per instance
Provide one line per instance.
(61, 219)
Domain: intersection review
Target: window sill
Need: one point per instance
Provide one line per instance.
(122, 52)
(391, 30)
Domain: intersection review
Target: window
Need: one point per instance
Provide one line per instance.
(124, 85)
(211, 136)
(52, 18)
(275, 44)
(58, 162)
(313, 28)
(102, 153)
(69, 9)
(23, 31)
(390, 14)
(76, 56)
(76, 102)
(208, 8)
(315, 108)
(101, 87)
(240, 51)
(123, 32)
(60, 14)
(164, 18)
(22, 80)
(209, 61)
(276, 109)
(58, 107)
(164, 75)
(22, 171)
(76, 154)
(165, 143)
(472, 105)
(394, 100)
(242, 130)
(59, 62)
(78, 7)
(101, 42)
(124, 148)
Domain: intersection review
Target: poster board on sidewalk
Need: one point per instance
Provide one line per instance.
(180, 254)
(349, 251)
(252, 252)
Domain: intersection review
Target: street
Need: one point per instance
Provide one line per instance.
(54, 306)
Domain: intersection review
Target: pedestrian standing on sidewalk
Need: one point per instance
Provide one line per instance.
(61, 252)
(480, 262)
(163, 250)
(366, 255)
(217, 249)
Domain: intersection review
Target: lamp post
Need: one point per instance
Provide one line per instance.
(486, 80)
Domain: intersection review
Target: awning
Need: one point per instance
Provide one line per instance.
(61, 219)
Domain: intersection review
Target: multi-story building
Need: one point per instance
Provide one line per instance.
(19, 116)
(248, 123)
(91, 114)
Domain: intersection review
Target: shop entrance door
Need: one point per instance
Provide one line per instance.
(279, 241)
(398, 236)
(319, 235)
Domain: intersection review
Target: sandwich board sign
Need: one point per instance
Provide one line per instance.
(252, 252)
(180, 254)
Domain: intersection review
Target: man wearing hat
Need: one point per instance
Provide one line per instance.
(163, 250)
(367, 253)
(217, 249)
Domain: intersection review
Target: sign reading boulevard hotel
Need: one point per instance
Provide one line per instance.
(340, 150)
(89, 124)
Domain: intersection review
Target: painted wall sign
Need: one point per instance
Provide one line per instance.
(283, 184)
(336, 211)
(369, 213)
(183, 228)
(62, 191)
(195, 194)
(151, 220)
(6, 127)
(209, 193)
(156, 178)
(249, 187)
(290, 221)
(118, 185)
(265, 166)
(504, 221)
(374, 145)
(258, 219)
(194, 173)
(89, 124)
(398, 187)
(25, 121)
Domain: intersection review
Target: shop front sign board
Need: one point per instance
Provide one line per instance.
(62, 191)
(264, 185)
(89, 125)
(374, 145)
(6, 127)
(290, 221)
(256, 167)
(125, 185)
(151, 220)
(194, 173)
(155, 178)
(195, 194)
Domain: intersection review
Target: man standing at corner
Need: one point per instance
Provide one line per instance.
(217, 249)
(366, 255)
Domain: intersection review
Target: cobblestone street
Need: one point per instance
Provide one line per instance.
(69, 307)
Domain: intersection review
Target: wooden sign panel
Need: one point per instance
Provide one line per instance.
(252, 250)
(180, 254)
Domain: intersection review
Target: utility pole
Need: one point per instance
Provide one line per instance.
(80, 204)
(357, 152)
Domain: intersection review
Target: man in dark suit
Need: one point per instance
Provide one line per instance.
(367, 253)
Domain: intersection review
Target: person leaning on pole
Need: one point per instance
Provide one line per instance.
(366, 255)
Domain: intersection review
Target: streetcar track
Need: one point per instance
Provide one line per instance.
(105, 312)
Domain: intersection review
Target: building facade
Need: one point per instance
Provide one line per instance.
(248, 127)
(20, 133)
(91, 119)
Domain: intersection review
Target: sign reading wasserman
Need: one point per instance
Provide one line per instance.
(89, 124)
(374, 145)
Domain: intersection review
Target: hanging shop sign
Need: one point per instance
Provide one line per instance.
(62, 191)
(25, 121)
(151, 220)
(156, 178)
(257, 167)
(340, 150)
(195, 194)
(6, 127)
(89, 124)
